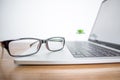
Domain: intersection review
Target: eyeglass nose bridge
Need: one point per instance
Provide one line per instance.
(43, 41)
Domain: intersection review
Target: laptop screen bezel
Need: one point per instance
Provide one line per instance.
(112, 45)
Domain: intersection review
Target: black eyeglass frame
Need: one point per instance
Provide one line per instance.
(5, 44)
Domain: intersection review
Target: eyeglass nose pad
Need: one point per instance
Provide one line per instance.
(47, 46)
(39, 45)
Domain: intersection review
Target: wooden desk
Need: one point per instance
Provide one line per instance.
(10, 71)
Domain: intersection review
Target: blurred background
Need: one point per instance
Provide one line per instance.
(47, 18)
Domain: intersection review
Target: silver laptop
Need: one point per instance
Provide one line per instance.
(103, 45)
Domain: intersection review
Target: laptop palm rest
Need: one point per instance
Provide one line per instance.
(45, 57)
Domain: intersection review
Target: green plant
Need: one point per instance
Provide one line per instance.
(80, 31)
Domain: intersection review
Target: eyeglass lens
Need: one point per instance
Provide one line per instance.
(55, 44)
(23, 47)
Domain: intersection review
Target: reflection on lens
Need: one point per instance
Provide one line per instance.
(55, 44)
(23, 47)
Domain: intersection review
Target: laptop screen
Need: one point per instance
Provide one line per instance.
(106, 29)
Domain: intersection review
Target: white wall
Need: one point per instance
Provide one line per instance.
(46, 18)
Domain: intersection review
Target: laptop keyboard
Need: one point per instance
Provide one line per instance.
(86, 49)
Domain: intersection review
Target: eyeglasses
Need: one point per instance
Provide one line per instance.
(28, 46)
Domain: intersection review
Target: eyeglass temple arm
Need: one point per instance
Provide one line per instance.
(33, 43)
(2, 46)
(45, 41)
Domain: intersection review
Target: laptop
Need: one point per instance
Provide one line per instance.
(103, 45)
